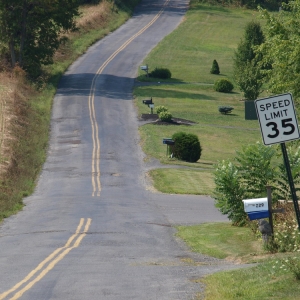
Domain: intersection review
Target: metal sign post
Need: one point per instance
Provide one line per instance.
(291, 182)
(278, 124)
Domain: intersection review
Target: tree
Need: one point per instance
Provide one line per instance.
(215, 68)
(281, 49)
(31, 29)
(247, 72)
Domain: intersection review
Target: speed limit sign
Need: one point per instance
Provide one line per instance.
(277, 119)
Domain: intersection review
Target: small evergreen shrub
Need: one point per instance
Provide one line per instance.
(223, 85)
(162, 73)
(160, 109)
(225, 109)
(165, 116)
(187, 147)
(215, 68)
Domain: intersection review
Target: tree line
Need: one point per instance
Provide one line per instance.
(269, 57)
(30, 30)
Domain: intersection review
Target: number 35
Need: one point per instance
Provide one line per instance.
(285, 123)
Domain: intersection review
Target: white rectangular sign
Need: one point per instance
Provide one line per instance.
(277, 119)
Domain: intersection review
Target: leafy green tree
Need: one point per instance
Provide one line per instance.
(283, 191)
(31, 29)
(255, 168)
(281, 49)
(247, 72)
(230, 192)
(255, 162)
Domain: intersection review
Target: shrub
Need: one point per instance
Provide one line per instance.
(162, 73)
(165, 116)
(160, 109)
(223, 85)
(255, 169)
(225, 109)
(187, 147)
(229, 192)
(215, 68)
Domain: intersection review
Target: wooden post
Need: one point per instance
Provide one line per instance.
(269, 195)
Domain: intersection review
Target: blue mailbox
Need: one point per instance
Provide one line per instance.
(257, 208)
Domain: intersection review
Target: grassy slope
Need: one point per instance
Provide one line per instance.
(266, 281)
(189, 52)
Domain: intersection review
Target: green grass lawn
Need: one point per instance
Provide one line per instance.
(207, 33)
(267, 280)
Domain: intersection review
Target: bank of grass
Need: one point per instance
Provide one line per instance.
(264, 280)
(207, 33)
(196, 182)
(29, 105)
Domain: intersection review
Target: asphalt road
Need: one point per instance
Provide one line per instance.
(93, 229)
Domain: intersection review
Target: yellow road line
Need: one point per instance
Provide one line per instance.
(96, 183)
(53, 258)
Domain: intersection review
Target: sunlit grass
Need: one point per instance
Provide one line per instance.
(207, 33)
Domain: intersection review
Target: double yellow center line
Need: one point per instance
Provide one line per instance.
(96, 184)
(48, 263)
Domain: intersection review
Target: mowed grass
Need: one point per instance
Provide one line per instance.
(264, 280)
(221, 240)
(259, 282)
(207, 33)
(200, 181)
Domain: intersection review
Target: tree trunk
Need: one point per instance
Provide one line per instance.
(12, 53)
(23, 33)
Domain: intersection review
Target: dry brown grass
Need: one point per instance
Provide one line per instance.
(93, 15)
(14, 93)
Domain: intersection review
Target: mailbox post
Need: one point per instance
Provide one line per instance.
(170, 143)
(145, 68)
(149, 103)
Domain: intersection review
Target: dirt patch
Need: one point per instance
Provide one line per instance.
(153, 119)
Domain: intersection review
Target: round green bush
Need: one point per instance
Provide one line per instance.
(187, 146)
(223, 85)
(165, 116)
(160, 109)
(162, 73)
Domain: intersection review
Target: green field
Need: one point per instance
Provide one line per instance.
(268, 280)
(207, 33)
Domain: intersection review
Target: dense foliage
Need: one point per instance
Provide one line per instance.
(160, 108)
(187, 147)
(281, 49)
(162, 73)
(165, 116)
(30, 30)
(247, 72)
(223, 85)
(255, 167)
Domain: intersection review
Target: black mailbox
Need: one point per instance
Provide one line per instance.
(168, 141)
(148, 101)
